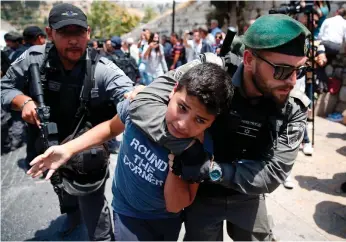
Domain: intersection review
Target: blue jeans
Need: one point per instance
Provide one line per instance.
(306, 137)
(136, 229)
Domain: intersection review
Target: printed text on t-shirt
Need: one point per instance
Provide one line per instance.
(146, 163)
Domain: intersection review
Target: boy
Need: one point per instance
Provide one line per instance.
(147, 195)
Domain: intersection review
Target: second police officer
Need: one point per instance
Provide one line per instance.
(64, 67)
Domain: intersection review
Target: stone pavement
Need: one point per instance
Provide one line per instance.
(314, 210)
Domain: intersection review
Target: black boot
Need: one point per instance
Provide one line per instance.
(70, 223)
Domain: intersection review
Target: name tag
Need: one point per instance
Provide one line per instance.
(54, 86)
(249, 128)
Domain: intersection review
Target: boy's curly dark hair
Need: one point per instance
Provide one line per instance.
(210, 84)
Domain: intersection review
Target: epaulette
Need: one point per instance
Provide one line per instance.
(301, 96)
(37, 49)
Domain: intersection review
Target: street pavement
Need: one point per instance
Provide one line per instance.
(314, 210)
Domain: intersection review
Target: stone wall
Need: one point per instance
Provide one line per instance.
(192, 14)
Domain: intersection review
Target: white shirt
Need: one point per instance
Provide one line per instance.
(333, 29)
(134, 52)
(156, 64)
(193, 52)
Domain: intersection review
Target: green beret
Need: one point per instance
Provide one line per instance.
(277, 33)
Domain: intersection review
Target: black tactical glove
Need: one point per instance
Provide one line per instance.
(193, 164)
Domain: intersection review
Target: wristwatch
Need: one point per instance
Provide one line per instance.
(215, 172)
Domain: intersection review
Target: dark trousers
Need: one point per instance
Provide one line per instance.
(246, 217)
(135, 229)
(95, 214)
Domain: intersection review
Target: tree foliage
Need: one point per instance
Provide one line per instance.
(149, 14)
(21, 13)
(107, 19)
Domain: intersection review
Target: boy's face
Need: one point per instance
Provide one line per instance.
(186, 116)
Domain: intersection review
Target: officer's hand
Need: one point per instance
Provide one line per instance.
(51, 160)
(196, 173)
(131, 95)
(29, 113)
(190, 173)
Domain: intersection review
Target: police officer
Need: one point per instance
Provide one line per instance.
(255, 141)
(13, 42)
(32, 35)
(64, 69)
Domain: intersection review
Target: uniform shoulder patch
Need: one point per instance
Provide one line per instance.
(295, 134)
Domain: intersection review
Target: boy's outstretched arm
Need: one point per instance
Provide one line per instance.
(56, 156)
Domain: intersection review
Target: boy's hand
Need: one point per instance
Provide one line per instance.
(51, 159)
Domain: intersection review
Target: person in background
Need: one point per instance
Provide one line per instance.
(32, 35)
(125, 47)
(333, 33)
(107, 48)
(214, 27)
(134, 53)
(322, 9)
(167, 48)
(207, 37)
(93, 44)
(141, 43)
(177, 53)
(154, 59)
(196, 46)
(13, 42)
(218, 43)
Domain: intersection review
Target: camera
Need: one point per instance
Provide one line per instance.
(294, 7)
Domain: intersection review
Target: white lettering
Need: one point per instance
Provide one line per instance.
(164, 167)
(135, 143)
(142, 149)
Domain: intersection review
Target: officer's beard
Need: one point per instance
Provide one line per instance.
(270, 92)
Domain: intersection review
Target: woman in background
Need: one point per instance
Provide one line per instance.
(154, 58)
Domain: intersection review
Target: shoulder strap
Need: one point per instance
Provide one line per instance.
(45, 58)
(91, 60)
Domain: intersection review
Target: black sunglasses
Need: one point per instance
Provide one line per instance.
(283, 72)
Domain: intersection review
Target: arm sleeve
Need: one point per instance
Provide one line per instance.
(112, 81)
(16, 78)
(265, 175)
(123, 110)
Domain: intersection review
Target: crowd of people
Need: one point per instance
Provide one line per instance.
(169, 169)
(156, 54)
